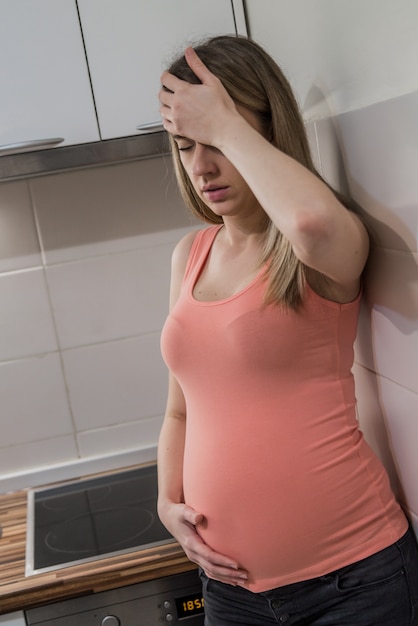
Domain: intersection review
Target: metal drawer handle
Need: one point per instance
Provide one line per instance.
(34, 143)
(152, 126)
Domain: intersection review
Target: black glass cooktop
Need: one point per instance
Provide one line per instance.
(88, 519)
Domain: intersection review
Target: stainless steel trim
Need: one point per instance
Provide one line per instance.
(30, 565)
(150, 127)
(31, 145)
(41, 162)
(30, 539)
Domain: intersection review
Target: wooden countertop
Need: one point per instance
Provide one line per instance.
(18, 592)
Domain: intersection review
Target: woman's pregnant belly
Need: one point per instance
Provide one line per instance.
(281, 510)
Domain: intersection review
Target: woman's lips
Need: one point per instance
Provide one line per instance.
(215, 194)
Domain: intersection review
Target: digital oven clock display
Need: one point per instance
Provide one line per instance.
(192, 604)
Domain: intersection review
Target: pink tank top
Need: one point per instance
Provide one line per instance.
(274, 458)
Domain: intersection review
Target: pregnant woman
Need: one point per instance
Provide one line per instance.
(264, 476)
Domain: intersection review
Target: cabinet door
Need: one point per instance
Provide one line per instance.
(45, 87)
(129, 43)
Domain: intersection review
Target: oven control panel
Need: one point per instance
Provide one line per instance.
(175, 599)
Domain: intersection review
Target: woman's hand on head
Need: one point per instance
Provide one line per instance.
(195, 111)
(183, 523)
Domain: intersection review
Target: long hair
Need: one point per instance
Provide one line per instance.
(254, 80)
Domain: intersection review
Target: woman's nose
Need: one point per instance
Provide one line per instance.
(203, 160)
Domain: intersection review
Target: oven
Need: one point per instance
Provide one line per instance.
(176, 599)
(89, 519)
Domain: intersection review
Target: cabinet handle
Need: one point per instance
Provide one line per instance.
(151, 126)
(34, 143)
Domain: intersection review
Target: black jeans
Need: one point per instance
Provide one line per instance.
(381, 590)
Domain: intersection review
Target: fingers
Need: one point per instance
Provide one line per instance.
(165, 96)
(194, 110)
(169, 82)
(197, 65)
(227, 576)
(216, 563)
(192, 517)
(216, 566)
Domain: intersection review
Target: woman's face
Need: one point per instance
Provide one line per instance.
(216, 181)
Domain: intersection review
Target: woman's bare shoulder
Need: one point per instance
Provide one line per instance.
(179, 260)
(182, 249)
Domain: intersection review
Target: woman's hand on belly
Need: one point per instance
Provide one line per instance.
(183, 523)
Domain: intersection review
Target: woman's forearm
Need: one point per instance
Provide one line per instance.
(170, 462)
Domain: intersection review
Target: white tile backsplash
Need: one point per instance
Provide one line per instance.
(26, 324)
(109, 209)
(34, 403)
(331, 164)
(388, 336)
(401, 416)
(392, 282)
(19, 244)
(105, 441)
(313, 144)
(372, 423)
(414, 521)
(380, 154)
(44, 452)
(110, 297)
(363, 345)
(116, 382)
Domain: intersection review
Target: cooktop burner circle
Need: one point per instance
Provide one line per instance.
(86, 519)
(108, 529)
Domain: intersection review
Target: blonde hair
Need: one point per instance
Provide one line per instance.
(254, 80)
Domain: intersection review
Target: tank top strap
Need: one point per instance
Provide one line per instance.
(199, 251)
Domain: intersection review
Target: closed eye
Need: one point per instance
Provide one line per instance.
(183, 144)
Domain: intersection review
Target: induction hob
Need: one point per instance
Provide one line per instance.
(88, 519)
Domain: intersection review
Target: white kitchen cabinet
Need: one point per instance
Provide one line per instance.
(45, 87)
(51, 95)
(13, 619)
(128, 43)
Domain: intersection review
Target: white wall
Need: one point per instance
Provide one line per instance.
(352, 52)
(353, 66)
